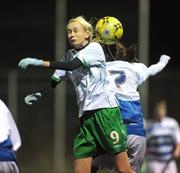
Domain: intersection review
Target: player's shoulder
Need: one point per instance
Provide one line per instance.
(94, 45)
(93, 48)
(119, 63)
(170, 120)
(3, 107)
(2, 104)
(139, 65)
(139, 68)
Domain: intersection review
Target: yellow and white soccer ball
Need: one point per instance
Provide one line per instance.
(109, 29)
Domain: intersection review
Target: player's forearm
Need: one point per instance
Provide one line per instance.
(177, 151)
(63, 65)
(48, 88)
(32, 98)
(155, 68)
(46, 63)
(69, 66)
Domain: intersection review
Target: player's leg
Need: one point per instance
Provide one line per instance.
(83, 165)
(8, 167)
(84, 147)
(157, 167)
(112, 137)
(103, 161)
(122, 163)
(136, 150)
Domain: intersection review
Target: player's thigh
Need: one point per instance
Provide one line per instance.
(83, 165)
(136, 146)
(157, 167)
(101, 131)
(8, 167)
(122, 163)
(84, 145)
(110, 131)
(103, 161)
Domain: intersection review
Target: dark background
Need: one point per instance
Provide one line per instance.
(164, 30)
(27, 28)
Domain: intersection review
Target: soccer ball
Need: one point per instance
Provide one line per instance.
(109, 29)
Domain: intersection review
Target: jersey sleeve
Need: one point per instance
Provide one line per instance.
(14, 132)
(92, 55)
(4, 132)
(142, 72)
(145, 72)
(155, 68)
(177, 132)
(59, 75)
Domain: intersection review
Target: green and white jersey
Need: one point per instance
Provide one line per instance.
(90, 81)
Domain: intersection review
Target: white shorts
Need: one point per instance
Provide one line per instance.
(136, 151)
(157, 167)
(8, 167)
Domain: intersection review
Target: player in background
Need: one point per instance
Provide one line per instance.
(102, 129)
(163, 141)
(10, 141)
(126, 73)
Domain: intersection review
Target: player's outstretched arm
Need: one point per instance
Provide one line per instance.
(156, 68)
(32, 98)
(24, 63)
(69, 66)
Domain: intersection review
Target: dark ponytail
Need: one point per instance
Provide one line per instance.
(119, 52)
(131, 53)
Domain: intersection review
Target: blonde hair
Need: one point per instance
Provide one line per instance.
(86, 25)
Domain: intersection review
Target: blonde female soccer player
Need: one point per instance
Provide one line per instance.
(102, 129)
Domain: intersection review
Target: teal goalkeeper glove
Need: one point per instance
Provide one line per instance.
(24, 63)
(31, 98)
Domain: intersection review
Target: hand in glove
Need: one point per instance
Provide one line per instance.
(24, 63)
(31, 98)
(164, 59)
